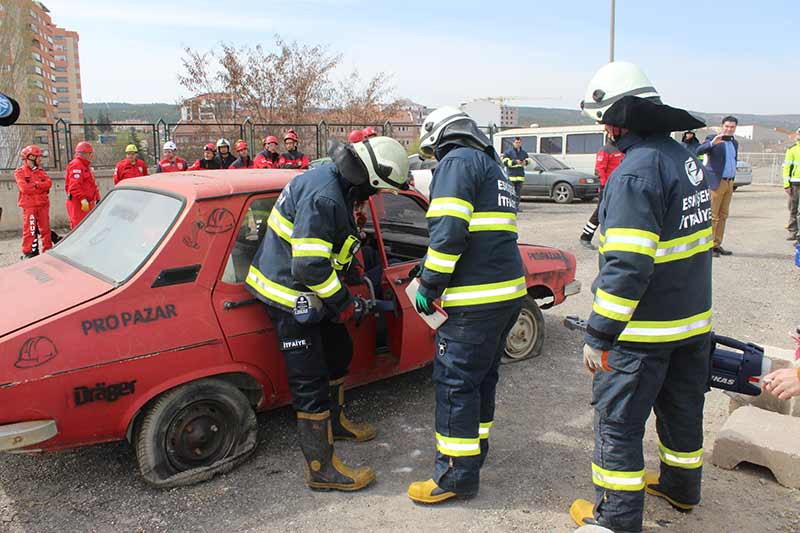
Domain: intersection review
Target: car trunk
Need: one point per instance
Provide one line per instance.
(42, 287)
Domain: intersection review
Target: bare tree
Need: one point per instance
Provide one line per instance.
(306, 70)
(357, 102)
(200, 77)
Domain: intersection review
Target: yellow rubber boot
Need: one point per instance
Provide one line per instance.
(344, 428)
(324, 470)
(652, 487)
(428, 492)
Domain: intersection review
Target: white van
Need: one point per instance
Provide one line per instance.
(574, 145)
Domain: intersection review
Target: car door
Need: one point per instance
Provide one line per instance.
(535, 184)
(400, 232)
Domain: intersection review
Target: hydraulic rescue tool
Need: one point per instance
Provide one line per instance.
(737, 370)
(309, 309)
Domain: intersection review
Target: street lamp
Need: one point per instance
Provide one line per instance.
(611, 44)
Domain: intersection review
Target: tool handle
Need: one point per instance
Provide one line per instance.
(734, 343)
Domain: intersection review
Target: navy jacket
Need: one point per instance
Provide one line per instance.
(654, 284)
(715, 159)
(472, 221)
(516, 172)
(306, 231)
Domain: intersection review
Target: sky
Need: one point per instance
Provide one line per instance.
(711, 56)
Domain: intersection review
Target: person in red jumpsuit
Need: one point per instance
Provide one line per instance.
(34, 186)
(606, 160)
(356, 136)
(292, 158)
(82, 190)
(209, 160)
(171, 162)
(269, 157)
(243, 160)
(369, 132)
(131, 166)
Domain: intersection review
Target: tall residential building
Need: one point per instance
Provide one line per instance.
(68, 75)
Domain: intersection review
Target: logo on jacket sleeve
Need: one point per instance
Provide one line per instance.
(693, 171)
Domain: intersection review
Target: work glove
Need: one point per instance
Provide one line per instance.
(416, 271)
(85, 205)
(594, 359)
(355, 310)
(424, 299)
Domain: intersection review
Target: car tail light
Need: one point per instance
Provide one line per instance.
(582, 180)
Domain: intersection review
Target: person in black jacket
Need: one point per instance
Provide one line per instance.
(224, 156)
(690, 142)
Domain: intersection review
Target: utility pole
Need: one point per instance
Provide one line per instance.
(611, 44)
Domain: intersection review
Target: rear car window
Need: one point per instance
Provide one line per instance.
(120, 234)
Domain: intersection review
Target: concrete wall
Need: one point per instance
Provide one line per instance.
(9, 194)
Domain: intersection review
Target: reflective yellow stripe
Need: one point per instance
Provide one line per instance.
(493, 221)
(666, 330)
(271, 290)
(483, 430)
(450, 207)
(687, 460)
(613, 307)
(345, 255)
(440, 262)
(329, 287)
(456, 447)
(609, 479)
(684, 247)
(484, 294)
(629, 240)
(310, 247)
(280, 225)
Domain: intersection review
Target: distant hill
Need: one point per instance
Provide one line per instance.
(148, 113)
(544, 116)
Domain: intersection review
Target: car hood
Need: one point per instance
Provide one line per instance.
(569, 173)
(41, 287)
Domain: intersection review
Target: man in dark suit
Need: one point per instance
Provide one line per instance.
(722, 152)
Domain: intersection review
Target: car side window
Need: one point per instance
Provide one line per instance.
(251, 232)
(403, 227)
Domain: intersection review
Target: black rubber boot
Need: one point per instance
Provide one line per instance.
(324, 471)
(343, 428)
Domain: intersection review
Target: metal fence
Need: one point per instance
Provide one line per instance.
(767, 167)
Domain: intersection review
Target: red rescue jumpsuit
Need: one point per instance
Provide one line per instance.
(165, 165)
(266, 159)
(125, 169)
(34, 186)
(80, 185)
(293, 159)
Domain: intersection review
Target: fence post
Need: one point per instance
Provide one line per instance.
(161, 140)
(246, 129)
(387, 129)
(322, 124)
(59, 123)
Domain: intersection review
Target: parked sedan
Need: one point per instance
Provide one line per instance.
(547, 176)
(744, 174)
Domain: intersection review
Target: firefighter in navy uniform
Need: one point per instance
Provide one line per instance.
(648, 336)
(515, 159)
(473, 264)
(310, 240)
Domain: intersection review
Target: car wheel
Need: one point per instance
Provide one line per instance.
(526, 337)
(194, 432)
(563, 193)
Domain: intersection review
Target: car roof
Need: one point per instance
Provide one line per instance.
(197, 185)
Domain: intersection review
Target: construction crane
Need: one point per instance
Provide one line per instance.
(501, 100)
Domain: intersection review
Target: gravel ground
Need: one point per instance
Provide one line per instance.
(541, 445)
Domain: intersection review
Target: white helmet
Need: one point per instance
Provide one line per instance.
(434, 124)
(386, 162)
(613, 81)
(169, 145)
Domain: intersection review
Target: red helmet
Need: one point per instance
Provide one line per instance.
(31, 150)
(356, 136)
(241, 145)
(369, 131)
(270, 139)
(84, 147)
(290, 135)
(209, 148)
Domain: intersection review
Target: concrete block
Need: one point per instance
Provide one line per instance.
(781, 358)
(763, 438)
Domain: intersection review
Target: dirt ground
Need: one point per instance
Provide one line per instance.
(541, 440)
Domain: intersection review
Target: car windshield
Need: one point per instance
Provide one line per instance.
(549, 162)
(120, 234)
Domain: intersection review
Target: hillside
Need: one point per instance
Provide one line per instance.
(149, 113)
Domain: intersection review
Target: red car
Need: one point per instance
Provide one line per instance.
(138, 324)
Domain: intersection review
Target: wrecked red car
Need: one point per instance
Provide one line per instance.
(138, 324)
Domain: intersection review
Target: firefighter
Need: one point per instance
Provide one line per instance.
(310, 240)
(791, 184)
(209, 160)
(473, 264)
(647, 340)
(34, 187)
(171, 162)
(605, 162)
(79, 182)
(131, 166)
(515, 159)
(243, 160)
(292, 158)
(269, 157)
(224, 156)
